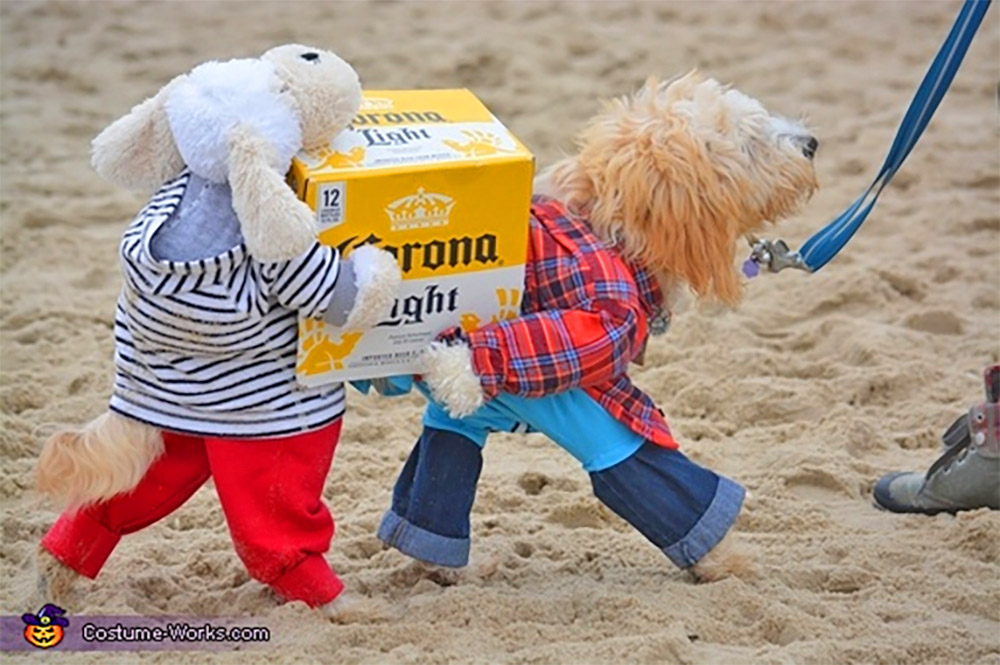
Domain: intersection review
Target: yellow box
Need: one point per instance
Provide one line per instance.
(433, 177)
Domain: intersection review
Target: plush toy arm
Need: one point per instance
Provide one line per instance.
(276, 226)
(353, 293)
(137, 151)
(451, 378)
(366, 289)
(534, 355)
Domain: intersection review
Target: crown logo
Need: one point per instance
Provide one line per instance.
(419, 211)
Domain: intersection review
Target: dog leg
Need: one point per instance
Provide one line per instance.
(443, 576)
(55, 580)
(727, 559)
(352, 608)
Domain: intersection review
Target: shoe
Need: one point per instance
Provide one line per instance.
(965, 477)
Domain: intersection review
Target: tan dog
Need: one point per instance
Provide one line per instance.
(677, 173)
(671, 177)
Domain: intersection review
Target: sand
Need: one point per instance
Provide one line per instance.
(806, 394)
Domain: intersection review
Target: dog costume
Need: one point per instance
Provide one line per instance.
(560, 369)
(665, 182)
(206, 325)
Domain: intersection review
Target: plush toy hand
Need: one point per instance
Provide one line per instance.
(448, 373)
(377, 279)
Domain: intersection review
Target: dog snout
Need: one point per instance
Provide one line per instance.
(310, 57)
(809, 146)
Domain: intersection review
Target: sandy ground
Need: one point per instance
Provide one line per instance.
(806, 394)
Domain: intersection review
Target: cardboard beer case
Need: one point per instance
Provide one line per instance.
(433, 177)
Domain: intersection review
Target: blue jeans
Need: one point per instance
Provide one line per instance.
(679, 506)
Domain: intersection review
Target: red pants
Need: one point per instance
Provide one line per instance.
(270, 491)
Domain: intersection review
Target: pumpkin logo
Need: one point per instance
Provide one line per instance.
(45, 629)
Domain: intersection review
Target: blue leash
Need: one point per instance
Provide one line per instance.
(828, 241)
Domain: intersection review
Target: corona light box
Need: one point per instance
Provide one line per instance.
(434, 178)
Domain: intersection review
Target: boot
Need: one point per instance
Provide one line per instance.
(966, 476)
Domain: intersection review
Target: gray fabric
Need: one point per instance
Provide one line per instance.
(204, 225)
(972, 482)
(965, 477)
(957, 434)
(343, 296)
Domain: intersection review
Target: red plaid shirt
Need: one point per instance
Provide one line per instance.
(584, 318)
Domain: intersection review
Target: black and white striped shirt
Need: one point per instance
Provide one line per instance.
(208, 346)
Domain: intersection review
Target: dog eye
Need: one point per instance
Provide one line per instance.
(310, 57)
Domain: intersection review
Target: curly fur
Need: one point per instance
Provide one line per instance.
(677, 172)
(673, 176)
(107, 456)
(447, 371)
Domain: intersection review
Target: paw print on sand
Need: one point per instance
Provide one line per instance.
(318, 353)
(340, 160)
(510, 308)
(480, 144)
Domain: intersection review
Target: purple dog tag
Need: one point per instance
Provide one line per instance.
(750, 268)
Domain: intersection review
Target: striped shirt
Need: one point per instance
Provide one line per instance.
(208, 346)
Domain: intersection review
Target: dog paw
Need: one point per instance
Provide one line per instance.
(448, 372)
(350, 608)
(727, 559)
(377, 278)
(416, 571)
(55, 581)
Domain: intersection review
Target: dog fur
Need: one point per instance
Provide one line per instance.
(676, 173)
(256, 126)
(673, 175)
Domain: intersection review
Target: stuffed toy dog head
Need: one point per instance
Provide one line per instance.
(240, 122)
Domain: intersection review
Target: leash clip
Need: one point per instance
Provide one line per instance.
(775, 255)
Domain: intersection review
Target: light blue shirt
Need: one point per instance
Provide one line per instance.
(572, 419)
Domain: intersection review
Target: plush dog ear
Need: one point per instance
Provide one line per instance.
(138, 151)
(276, 226)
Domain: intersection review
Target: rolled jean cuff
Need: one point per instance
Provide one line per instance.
(422, 544)
(711, 528)
(80, 542)
(311, 581)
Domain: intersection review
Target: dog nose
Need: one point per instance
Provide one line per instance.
(310, 57)
(809, 150)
